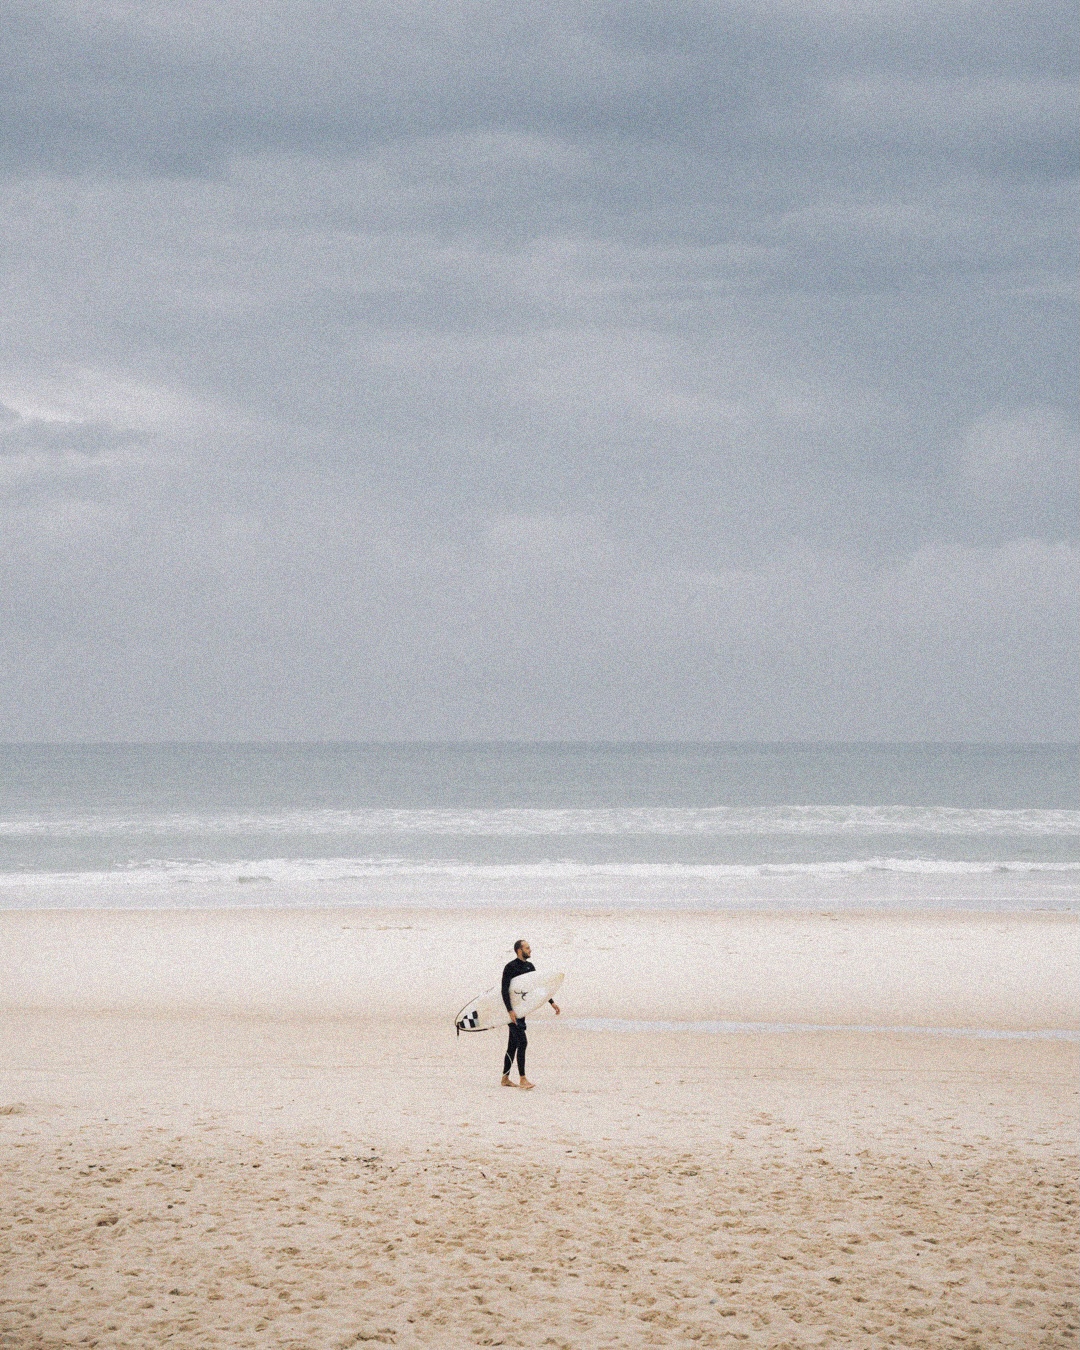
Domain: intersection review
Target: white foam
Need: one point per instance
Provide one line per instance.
(285, 870)
(882, 883)
(528, 822)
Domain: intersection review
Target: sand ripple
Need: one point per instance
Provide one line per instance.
(152, 1242)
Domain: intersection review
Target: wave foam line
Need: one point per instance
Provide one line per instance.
(523, 822)
(284, 870)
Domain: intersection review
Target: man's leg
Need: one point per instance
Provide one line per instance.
(523, 1041)
(508, 1058)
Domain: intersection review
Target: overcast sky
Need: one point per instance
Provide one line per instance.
(549, 370)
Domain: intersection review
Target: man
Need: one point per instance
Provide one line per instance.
(515, 1046)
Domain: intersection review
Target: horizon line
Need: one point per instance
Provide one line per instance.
(537, 743)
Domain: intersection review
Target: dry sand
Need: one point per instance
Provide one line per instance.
(211, 1179)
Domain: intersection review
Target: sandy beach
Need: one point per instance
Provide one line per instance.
(232, 1130)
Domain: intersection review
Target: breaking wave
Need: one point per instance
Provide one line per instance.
(527, 822)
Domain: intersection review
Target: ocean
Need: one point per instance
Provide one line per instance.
(702, 825)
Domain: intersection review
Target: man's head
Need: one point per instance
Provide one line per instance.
(522, 949)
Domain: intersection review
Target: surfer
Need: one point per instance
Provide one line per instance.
(515, 1046)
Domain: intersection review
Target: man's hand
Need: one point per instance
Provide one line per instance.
(555, 1006)
(513, 1015)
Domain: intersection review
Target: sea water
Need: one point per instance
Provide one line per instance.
(709, 825)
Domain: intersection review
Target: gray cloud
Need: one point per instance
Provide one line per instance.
(626, 370)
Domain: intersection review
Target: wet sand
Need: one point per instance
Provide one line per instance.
(1010, 971)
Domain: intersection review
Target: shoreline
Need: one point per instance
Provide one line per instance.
(879, 886)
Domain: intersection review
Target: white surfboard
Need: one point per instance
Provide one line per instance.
(527, 993)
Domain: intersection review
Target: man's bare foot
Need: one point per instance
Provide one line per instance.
(524, 1083)
(506, 1080)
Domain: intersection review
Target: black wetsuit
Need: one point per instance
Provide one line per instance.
(515, 1046)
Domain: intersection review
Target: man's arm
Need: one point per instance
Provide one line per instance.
(508, 975)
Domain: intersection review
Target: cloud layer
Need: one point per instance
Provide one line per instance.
(404, 370)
